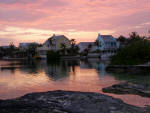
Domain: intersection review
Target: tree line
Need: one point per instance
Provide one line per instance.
(133, 50)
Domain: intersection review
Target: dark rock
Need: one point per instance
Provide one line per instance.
(67, 102)
(129, 88)
(132, 69)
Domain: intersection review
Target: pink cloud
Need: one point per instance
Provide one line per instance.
(81, 15)
(17, 1)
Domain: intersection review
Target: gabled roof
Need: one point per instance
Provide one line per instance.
(85, 43)
(55, 37)
(27, 43)
(108, 38)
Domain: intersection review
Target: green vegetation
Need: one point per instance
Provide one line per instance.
(74, 50)
(15, 52)
(31, 50)
(136, 51)
(52, 56)
(97, 44)
(9, 51)
(63, 49)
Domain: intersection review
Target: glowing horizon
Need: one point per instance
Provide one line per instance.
(37, 20)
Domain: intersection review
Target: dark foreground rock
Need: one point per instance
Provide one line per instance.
(67, 102)
(132, 69)
(129, 88)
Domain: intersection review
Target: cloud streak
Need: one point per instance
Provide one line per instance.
(75, 16)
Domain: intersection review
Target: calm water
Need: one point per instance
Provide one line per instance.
(86, 76)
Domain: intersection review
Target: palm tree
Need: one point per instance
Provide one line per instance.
(31, 51)
(1, 52)
(122, 39)
(98, 44)
(51, 44)
(11, 49)
(73, 42)
(1, 48)
(73, 46)
(12, 46)
(76, 49)
(89, 47)
(63, 47)
(134, 36)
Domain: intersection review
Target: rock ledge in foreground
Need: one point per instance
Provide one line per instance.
(129, 88)
(67, 102)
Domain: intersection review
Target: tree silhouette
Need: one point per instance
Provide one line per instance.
(63, 48)
(98, 44)
(73, 42)
(122, 39)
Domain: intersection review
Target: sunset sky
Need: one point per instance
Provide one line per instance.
(37, 20)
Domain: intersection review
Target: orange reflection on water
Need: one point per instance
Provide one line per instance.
(56, 77)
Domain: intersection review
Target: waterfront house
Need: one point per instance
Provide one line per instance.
(53, 43)
(5, 47)
(86, 45)
(3, 50)
(27, 50)
(26, 46)
(107, 44)
(104, 43)
(7, 51)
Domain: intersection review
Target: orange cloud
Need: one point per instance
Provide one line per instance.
(83, 16)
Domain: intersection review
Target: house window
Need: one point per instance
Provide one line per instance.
(114, 43)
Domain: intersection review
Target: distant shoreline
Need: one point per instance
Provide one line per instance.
(133, 69)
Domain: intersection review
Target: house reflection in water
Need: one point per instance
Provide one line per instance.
(61, 69)
(95, 64)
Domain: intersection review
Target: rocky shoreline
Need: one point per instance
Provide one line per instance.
(67, 102)
(132, 69)
(129, 88)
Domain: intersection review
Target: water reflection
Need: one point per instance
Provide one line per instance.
(55, 70)
(20, 77)
(59, 70)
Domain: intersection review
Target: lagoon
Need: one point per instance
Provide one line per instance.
(74, 75)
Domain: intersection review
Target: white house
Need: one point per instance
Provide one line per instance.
(25, 46)
(85, 45)
(107, 43)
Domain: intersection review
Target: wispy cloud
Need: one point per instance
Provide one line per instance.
(63, 16)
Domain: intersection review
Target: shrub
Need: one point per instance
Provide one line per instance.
(52, 55)
(137, 52)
